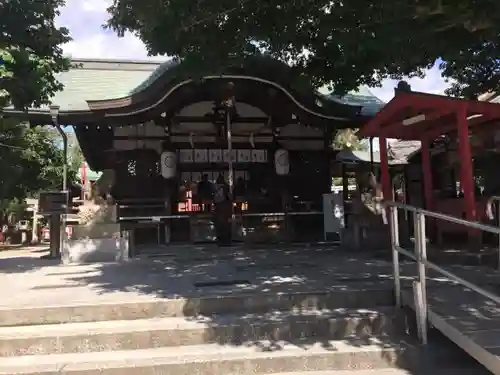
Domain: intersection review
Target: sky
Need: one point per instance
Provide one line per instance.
(84, 19)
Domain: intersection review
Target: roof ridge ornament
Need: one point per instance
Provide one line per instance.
(402, 86)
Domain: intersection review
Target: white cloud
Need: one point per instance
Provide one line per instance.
(432, 83)
(85, 19)
(91, 5)
(106, 46)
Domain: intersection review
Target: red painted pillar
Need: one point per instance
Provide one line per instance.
(84, 173)
(84, 179)
(466, 169)
(384, 170)
(427, 175)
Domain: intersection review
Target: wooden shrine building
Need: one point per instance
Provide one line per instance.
(156, 131)
(458, 158)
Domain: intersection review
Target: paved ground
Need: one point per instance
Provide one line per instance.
(13, 249)
(26, 280)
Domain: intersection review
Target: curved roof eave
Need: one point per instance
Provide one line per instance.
(171, 75)
(366, 108)
(43, 116)
(363, 97)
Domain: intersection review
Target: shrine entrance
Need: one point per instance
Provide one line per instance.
(248, 130)
(267, 207)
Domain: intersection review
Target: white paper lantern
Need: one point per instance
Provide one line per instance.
(282, 162)
(168, 164)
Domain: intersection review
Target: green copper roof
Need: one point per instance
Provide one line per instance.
(84, 84)
(90, 175)
(93, 79)
(157, 73)
(100, 80)
(363, 97)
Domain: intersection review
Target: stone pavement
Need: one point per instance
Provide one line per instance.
(26, 280)
(203, 310)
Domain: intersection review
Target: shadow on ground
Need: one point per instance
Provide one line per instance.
(307, 288)
(20, 259)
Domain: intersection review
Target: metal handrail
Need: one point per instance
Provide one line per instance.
(187, 216)
(420, 256)
(152, 218)
(452, 219)
(489, 206)
(141, 205)
(491, 216)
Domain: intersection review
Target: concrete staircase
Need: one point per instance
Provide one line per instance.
(337, 332)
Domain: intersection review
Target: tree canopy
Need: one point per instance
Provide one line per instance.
(343, 44)
(30, 161)
(30, 52)
(348, 140)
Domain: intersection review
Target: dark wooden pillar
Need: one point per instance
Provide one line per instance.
(384, 170)
(427, 175)
(345, 192)
(327, 143)
(466, 169)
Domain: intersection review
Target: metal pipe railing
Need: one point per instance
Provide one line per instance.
(141, 205)
(420, 256)
(152, 218)
(451, 219)
(491, 216)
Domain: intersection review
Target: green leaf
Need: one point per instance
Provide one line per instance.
(348, 140)
(342, 44)
(30, 52)
(31, 160)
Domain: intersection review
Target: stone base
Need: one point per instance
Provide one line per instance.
(96, 230)
(95, 250)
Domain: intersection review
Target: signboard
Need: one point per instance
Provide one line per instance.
(53, 202)
(259, 156)
(201, 156)
(215, 156)
(229, 155)
(187, 156)
(244, 156)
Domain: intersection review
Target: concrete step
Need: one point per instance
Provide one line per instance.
(198, 305)
(213, 359)
(397, 371)
(300, 326)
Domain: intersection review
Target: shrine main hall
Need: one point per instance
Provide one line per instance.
(155, 131)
